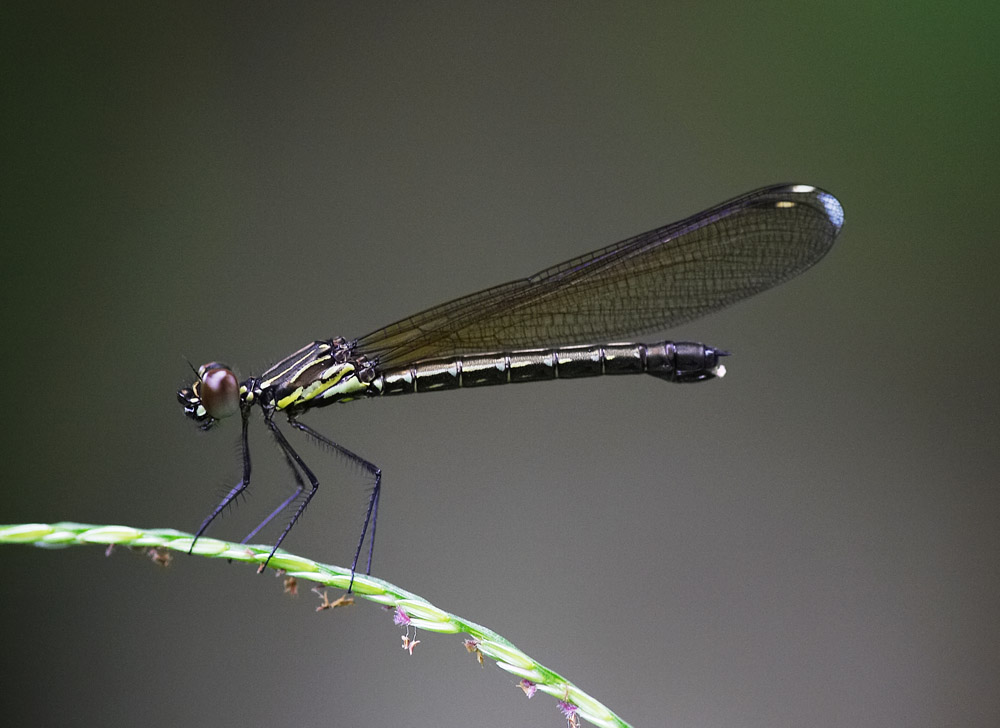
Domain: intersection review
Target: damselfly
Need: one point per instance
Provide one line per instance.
(548, 326)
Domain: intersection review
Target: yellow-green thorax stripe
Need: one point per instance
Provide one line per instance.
(336, 382)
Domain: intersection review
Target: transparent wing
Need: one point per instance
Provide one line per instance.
(649, 282)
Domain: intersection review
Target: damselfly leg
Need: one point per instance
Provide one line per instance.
(299, 487)
(300, 469)
(238, 489)
(371, 514)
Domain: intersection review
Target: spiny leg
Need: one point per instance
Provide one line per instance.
(300, 486)
(238, 489)
(293, 457)
(371, 515)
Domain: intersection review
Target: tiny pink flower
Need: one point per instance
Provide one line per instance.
(567, 709)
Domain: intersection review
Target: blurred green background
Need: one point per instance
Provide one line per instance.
(811, 541)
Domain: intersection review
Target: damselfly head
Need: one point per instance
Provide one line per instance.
(213, 396)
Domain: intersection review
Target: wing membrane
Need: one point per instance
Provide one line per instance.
(649, 282)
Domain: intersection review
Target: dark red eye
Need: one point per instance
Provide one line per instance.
(220, 393)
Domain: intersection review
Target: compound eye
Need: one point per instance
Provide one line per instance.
(220, 393)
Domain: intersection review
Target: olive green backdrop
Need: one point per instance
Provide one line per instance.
(811, 541)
